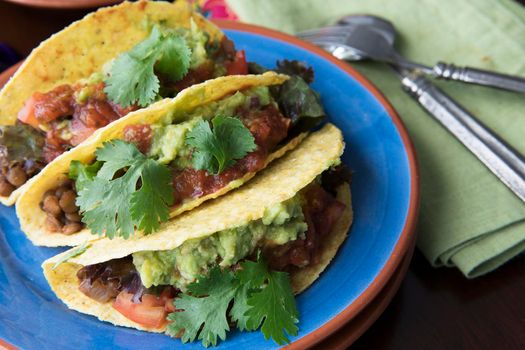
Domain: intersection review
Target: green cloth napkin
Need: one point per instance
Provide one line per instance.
(468, 218)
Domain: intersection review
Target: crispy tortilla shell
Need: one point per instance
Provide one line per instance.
(281, 181)
(32, 217)
(83, 48)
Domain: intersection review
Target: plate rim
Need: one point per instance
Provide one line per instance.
(407, 236)
(408, 232)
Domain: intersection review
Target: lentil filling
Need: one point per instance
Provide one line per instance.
(68, 114)
(267, 125)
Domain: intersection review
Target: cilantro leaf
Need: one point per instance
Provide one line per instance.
(132, 76)
(258, 297)
(113, 206)
(148, 204)
(116, 155)
(216, 150)
(83, 174)
(206, 311)
(81, 249)
(240, 306)
(175, 56)
(105, 207)
(253, 273)
(274, 307)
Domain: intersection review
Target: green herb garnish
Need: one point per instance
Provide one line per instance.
(112, 203)
(260, 297)
(81, 249)
(217, 149)
(83, 174)
(132, 76)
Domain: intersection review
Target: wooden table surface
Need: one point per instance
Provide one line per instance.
(434, 308)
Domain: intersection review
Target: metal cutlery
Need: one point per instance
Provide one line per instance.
(499, 157)
(378, 44)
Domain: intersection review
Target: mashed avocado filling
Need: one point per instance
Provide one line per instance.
(280, 224)
(168, 143)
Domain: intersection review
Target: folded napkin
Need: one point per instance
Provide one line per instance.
(468, 218)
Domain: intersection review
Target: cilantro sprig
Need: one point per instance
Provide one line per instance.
(128, 191)
(215, 150)
(83, 174)
(132, 76)
(81, 249)
(259, 298)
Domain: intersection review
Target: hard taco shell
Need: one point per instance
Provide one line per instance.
(32, 218)
(83, 48)
(279, 182)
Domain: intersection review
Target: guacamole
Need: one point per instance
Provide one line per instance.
(168, 143)
(280, 224)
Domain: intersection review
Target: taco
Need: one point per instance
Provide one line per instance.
(95, 71)
(225, 263)
(162, 160)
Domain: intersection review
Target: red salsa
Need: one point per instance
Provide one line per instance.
(49, 110)
(140, 135)
(267, 125)
(321, 212)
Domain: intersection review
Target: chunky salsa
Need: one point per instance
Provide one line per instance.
(121, 282)
(266, 123)
(268, 126)
(68, 114)
(261, 115)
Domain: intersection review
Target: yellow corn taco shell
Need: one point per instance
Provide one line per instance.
(85, 46)
(32, 218)
(279, 182)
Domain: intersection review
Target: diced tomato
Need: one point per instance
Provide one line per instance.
(150, 312)
(189, 183)
(194, 76)
(27, 113)
(324, 208)
(330, 216)
(268, 125)
(151, 300)
(169, 306)
(167, 296)
(80, 132)
(54, 104)
(140, 135)
(54, 145)
(239, 65)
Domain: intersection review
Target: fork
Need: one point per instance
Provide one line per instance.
(499, 157)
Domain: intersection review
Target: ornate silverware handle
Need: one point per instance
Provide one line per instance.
(507, 164)
(479, 76)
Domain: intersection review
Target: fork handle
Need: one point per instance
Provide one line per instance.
(479, 76)
(507, 164)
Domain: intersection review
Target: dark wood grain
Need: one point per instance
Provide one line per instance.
(23, 28)
(440, 309)
(434, 309)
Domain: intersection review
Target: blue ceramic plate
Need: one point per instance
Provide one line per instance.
(384, 189)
